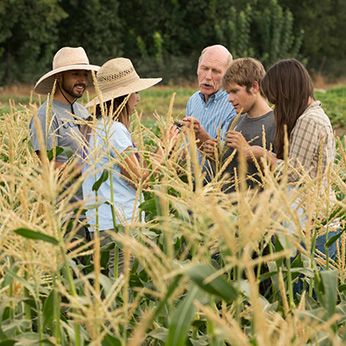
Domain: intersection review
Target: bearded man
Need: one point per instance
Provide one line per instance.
(71, 71)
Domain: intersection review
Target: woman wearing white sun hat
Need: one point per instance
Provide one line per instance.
(110, 147)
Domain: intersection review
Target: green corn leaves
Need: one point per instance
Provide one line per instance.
(34, 235)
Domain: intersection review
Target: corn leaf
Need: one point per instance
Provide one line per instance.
(30, 234)
(183, 317)
(102, 179)
(219, 287)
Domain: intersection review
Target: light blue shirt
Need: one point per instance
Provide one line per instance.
(111, 139)
(216, 113)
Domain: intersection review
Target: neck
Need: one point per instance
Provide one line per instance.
(310, 101)
(207, 97)
(259, 108)
(63, 97)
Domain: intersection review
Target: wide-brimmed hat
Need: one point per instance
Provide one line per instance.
(65, 59)
(117, 77)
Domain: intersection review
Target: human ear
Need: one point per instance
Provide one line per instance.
(58, 77)
(255, 86)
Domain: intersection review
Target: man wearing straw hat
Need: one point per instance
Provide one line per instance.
(57, 118)
(208, 110)
(71, 72)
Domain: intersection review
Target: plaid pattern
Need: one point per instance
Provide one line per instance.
(311, 141)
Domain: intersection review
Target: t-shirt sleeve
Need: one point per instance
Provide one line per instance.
(120, 138)
(48, 137)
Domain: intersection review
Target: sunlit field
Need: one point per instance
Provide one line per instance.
(204, 268)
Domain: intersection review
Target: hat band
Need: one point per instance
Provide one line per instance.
(111, 81)
(113, 77)
(56, 66)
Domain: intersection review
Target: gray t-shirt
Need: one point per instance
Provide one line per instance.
(61, 125)
(250, 129)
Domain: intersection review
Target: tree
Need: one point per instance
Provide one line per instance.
(273, 37)
(95, 25)
(28, 38)
(323, 23)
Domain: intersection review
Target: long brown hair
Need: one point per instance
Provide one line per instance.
(288, 86)
(116, 109)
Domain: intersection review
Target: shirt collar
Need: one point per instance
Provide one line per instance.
(214, 97)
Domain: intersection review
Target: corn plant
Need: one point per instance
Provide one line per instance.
(204, 267)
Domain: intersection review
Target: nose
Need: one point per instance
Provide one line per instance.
(85, 79)
(231, 98)
(208, 74)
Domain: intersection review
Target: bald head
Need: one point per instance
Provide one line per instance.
(212, 65)
(220, 50)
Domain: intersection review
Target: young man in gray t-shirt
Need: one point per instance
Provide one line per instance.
(256, 121)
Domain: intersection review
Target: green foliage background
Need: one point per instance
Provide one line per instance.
(164, 37)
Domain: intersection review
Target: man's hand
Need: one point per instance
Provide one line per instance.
(209, 147)
(236, 140)
(194, 124)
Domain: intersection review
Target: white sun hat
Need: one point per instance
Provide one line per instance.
(65, 59)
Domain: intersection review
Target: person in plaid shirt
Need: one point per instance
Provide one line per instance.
(288, 86)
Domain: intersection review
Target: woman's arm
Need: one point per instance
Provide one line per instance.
(132, 169)
(137, 171)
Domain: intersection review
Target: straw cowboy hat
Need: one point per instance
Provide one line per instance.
(65, 59)
(117, 77)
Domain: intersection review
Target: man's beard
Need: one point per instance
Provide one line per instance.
(70, 89)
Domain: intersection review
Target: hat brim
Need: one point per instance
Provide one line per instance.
(138, 85)
(45, 83)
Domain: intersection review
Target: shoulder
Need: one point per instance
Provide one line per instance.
(268, 118)
(314, 115)
(196, 97)
(117, 125)
(41, 111)
(82, 111)
(222, 95)
(221, 102)
(119, 131)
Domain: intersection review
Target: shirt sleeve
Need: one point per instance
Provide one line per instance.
(304, 150)
(188, 106)
(120, 139)
(48, 137)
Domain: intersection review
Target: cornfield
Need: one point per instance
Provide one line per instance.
(204, 269)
